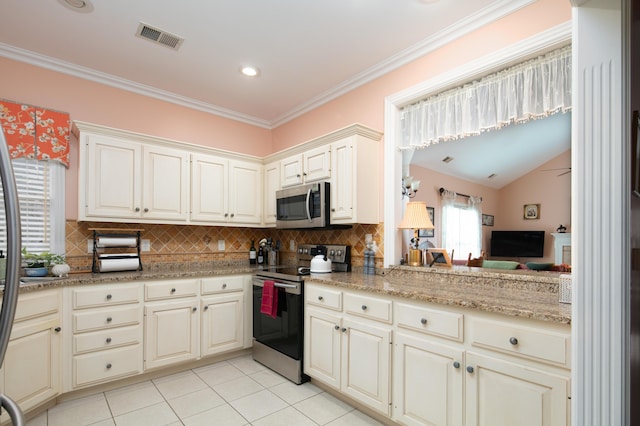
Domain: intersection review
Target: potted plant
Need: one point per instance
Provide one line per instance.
(59, 266)
(35, 264)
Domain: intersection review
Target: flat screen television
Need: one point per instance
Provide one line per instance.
(517, 244)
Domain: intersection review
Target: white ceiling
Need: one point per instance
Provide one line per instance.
(309, 52)
(510, 152)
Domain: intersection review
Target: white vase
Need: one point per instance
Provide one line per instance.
(60, 270)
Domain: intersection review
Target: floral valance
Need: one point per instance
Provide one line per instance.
(530, 90)
(34, 132)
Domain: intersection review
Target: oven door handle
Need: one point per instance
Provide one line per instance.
(308, 209)
(283, 285)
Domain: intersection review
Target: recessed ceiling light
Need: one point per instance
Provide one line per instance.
(83, 6)
(250, 71)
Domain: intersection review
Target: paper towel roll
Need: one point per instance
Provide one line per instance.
(117, 241)
(112, 265)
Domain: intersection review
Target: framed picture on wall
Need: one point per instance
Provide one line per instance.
(487, 220)
(428, 232)
(532, 211)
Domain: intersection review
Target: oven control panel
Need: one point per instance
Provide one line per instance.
(340, 255)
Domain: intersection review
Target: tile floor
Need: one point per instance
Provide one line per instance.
(238, 391)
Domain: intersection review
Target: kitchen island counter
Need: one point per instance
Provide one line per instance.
(530, 295)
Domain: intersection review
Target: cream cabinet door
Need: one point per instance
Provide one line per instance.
(113, 177)
(166, 183)
(245, 192)
(427, 382)
(222, 323)
(291, 171)
(271, 185)
(316, 164)
(209, 188)
(31, 369)
(171, 332)
(342, 185)
(366, 358)
(322, 341)
(501, 393)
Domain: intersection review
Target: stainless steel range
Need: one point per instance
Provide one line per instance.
(278, 336)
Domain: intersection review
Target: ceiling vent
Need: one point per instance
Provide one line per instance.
(159, 36)
(447, 159)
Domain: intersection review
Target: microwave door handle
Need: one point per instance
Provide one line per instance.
(308, 209)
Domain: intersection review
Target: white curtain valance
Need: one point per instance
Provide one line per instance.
(530, 90)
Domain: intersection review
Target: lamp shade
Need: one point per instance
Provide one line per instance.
(416, 216)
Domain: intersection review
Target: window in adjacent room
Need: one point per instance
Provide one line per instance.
(40, 187)
(461, 225)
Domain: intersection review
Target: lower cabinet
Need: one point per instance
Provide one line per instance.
(222, 323)
(350, 354)
(31, 370)
(171, 332)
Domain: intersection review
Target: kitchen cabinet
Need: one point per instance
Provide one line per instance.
(171, 322)
(106, 334)
(31, 371)
(222, 312)
(127, 180)
(225, 191)
(346, 352)
(354, 179)
(310, 166)
(271, 185)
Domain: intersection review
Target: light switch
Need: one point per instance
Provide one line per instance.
(221, 245)
(145, 245)
(292, 245)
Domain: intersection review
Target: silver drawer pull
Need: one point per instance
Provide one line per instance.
(109, 319)
(194, 309)
(173, 290)
(469, 369)
(108, 366)
(423, 321)
(224, 285)
(344, 330)
(364, 307)
(109, 297)
(456, 364)
(513, 341)
(108, 339)
(206, 307)
(337, 327)
(320, 298)
(57, 329)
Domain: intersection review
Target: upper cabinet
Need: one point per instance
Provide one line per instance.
(271, 185)
(225, 191)
(129, 180)
(310, 166)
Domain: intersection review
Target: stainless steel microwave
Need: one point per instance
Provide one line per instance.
(303, 206)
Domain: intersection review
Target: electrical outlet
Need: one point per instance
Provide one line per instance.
(221, 245)
(89, 246)
(145, 245)
(292, 245)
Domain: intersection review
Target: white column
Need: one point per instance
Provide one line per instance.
(600, 218)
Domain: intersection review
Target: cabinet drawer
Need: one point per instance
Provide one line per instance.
(107, 339)
(528, 342)
(368, 307)
(107, 365)
(106, 318)
(430, 321)
(88, 297)
(170, 289)
(37, 304)
(222, 284)
(331, 299)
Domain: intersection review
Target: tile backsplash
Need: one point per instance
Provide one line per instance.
(187, 244)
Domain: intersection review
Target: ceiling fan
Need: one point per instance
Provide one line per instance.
(567, 170)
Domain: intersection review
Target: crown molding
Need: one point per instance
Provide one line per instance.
(85, 73)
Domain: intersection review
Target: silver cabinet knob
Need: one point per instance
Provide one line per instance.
(109, 297)
(333, 210)
(344, 330)
(337, 327)
(513, 341)
(226, 215)
(456, 364)
(137, 209)
(57, 329)
(206, 308)
(320, 298)
(364, 307)
(194, 309)
(469, 369)
(108, 339)
(224, 285)
(108, 366)
(109, 319)
(173, 290)
(232, 214)
(423, 321)
(146, 210)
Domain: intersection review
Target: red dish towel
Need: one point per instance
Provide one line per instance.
(269, 304)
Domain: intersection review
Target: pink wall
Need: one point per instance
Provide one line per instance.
(546, 188)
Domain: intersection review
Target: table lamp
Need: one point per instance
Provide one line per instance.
(416, 218)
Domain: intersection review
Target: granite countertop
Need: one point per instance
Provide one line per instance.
(528, 295)
(518, 293)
